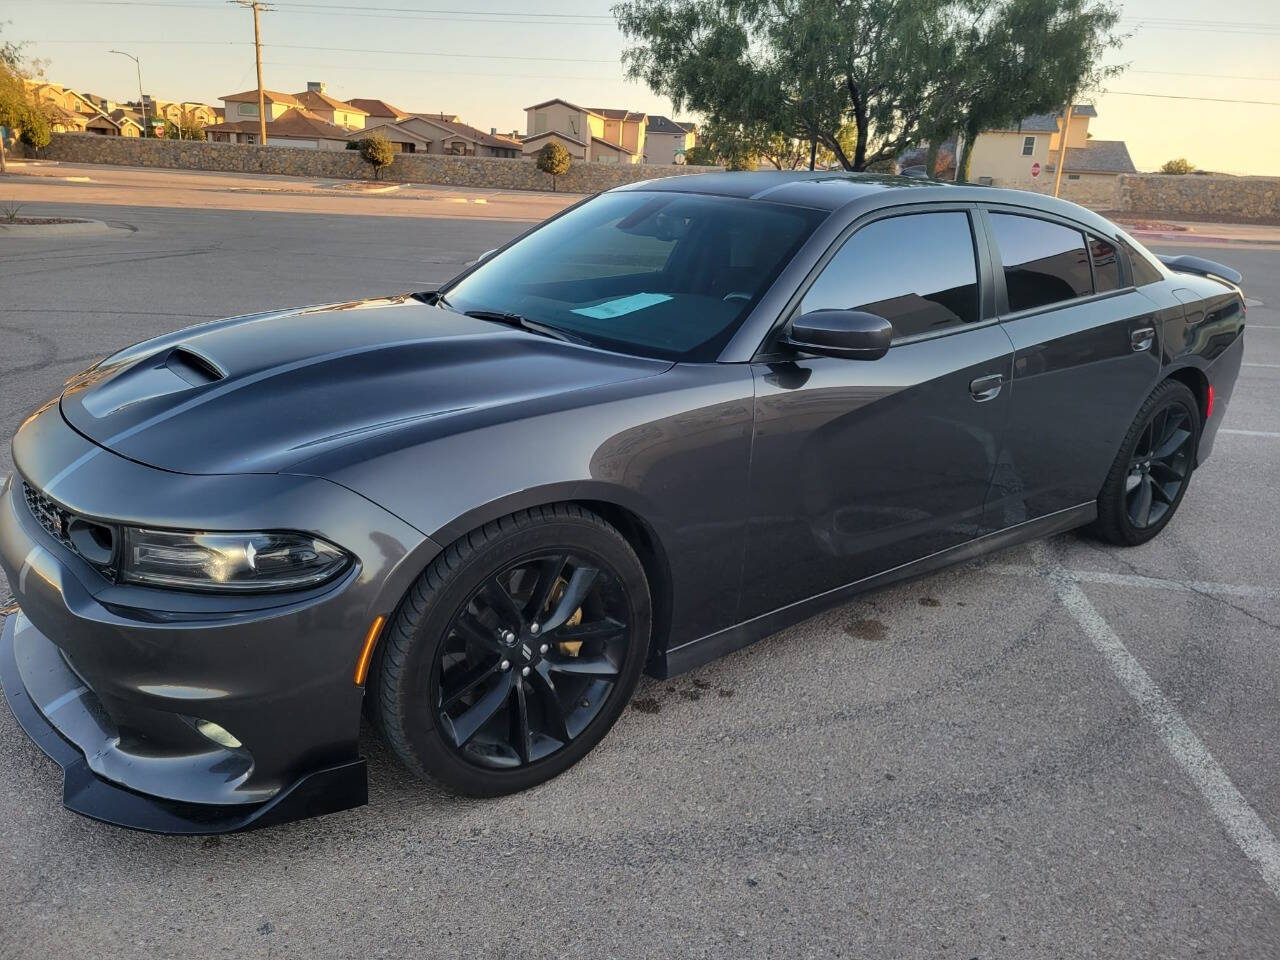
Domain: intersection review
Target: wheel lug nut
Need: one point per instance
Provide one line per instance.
(508, 636)
(535, 628)
(505, 665)
(544, 648)
(524, 672)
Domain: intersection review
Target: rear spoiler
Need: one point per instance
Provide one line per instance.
(1205, 268)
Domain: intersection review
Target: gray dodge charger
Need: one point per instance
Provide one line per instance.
(674, 419)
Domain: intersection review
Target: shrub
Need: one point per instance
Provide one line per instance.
(1177, 167)
(554, 159)
(36, 132)
(377, 152)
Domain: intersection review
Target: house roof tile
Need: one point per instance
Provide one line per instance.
(1097, 156)
(378, 108)
(315, 100)
(270, 96)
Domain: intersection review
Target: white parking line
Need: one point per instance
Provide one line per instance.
(1251, 433)
(1151, 583)
(1240, 820)
(1269, 366)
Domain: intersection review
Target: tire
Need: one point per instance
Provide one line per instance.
(1168, 421)
(447, 657)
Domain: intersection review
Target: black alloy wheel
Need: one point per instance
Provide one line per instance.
(514, 652)
(1153, 468)
(531, 658)
(1159, 466)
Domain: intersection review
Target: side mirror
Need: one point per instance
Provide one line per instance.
(850, 334)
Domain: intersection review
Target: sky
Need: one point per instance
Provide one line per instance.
(486, 60)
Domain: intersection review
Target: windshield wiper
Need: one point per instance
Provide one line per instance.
(524, 323)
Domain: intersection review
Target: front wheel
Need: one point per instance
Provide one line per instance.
(1153, 468)
(514, 652)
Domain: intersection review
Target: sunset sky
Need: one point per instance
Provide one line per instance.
(488, 59)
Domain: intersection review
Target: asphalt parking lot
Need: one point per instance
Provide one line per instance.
(1064, 750)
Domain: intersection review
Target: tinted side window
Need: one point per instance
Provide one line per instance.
(1106, 265)
(1044, 263)
(917, 271)
(1143, 271)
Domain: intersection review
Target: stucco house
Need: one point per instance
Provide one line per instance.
(590, 134)
(338, 112)
(1008, 158)
(295, 127)
(401, 138)
(244, 105)
(666, 140)
(447, 134)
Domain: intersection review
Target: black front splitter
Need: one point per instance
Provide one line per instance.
(327, 790)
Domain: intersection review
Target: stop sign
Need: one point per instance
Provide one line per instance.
(1035, 169)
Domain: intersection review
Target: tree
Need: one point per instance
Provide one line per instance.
(377, 152)
(554, 159)
(17, 110)
(1019, 58)
(700, 155)
(863, 79)
(1179, 166)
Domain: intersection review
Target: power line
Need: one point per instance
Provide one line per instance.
(1171, 96)
(395, 53)
(1219, 76)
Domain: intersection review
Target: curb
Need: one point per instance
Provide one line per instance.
(1186, 236)
(82, 228)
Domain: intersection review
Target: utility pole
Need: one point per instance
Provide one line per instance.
(142, 100)
(257, 6)
(1062, 147)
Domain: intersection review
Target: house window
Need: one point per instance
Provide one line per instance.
(1028, 146)
(247, 109)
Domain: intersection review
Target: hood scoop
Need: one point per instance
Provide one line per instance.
(169, 372)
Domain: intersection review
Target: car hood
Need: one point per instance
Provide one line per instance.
(260, 393)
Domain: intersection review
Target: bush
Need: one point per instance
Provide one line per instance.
(377, 152)
(1177, 167)
(554, 159)
(36, 132)
(699, 155)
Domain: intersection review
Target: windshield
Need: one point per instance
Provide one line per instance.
(663, 275)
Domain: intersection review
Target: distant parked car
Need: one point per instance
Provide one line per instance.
(672, 420)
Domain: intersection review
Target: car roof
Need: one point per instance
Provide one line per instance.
(834, 190)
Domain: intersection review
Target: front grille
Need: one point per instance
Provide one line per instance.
(55, 519)
(91, 541)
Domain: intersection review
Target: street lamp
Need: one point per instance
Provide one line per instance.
(142, 100)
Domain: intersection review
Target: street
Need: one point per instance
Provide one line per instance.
(1061, 750)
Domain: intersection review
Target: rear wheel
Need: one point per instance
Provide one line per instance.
(1153, 468)
(514, 652)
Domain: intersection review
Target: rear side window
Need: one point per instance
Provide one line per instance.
(1143, 272)
(1106, 265)
(1044, 263)
(916, 271)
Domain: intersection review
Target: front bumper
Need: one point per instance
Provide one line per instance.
(116, 682)
(327, 790)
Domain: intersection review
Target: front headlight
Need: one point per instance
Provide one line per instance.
(227, 561)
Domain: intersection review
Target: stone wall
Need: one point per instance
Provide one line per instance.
(1203, 197)
(1098, 192)
(507, 174)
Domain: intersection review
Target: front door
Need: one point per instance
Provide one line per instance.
(1086, 355)
(860, 466)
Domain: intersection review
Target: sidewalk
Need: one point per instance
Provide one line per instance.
(1185, 231)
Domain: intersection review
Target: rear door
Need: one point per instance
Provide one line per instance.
(1086, 355)
(859, 466)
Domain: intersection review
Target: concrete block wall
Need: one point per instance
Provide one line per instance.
(507, 174)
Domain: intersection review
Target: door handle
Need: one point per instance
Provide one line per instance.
(986, 388)
(1141, 338)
